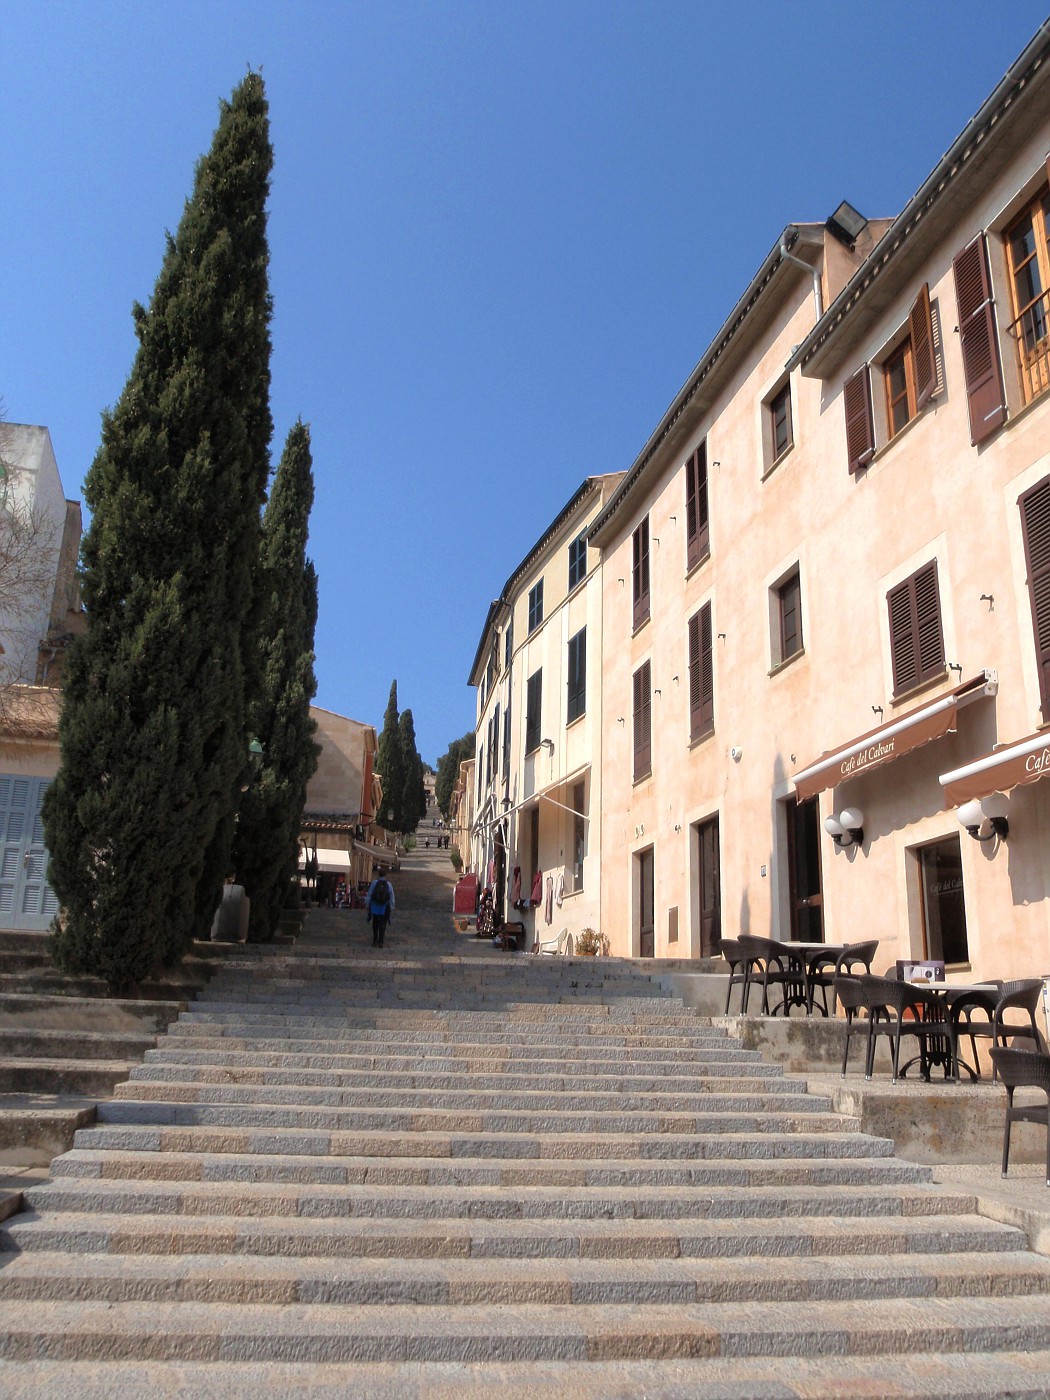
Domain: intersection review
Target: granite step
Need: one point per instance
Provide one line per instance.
(321, 1333)
(463, 1060)
(463, 1237)
(30, 1042)
(92, 1078)
(433, 1283)
(97, 1015)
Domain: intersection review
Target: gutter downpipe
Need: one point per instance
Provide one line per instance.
(818, 294)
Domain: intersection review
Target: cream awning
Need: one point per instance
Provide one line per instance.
(545, 794)
(1023, 761)
(890, 741)
(330, 861)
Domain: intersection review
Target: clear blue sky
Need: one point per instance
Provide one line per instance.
(501, 236)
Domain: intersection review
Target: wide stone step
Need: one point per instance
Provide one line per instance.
(29, 1042)
(19, 1012)
(471, 1283)
(93, 1078)
(733, 1146)
(741, 1118)
(477, 1075)
(458, 1200)
(290, 1041)
(467, 1238)
(775, 1096)
(969, 1375)
(441, 1171)
(469, 1060)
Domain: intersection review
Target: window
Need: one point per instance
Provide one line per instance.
(779, 408)
(640, 573)
(701, 675)
(577, 561)
(979, 341)
(899, 375)
(494, 743)
(789, 618)
(1035, 526)
(697, 524)
(943, 903)
(643, 722)
(579, 835)
(506, 742)
(916, 639)
(1028, 257)
(534, 839)
(508, 644)
(533, 706)
(910, 372)
(577, 675)
(535, 605)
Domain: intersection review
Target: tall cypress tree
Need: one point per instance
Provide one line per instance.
(153, 728)
(390, 763)
(266, 846)
(413, 804)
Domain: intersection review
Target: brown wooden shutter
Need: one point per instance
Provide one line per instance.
(701, 675)
(1035, 522)
(640, 573)
(916, 636)
(643, 722)
(698, 532)
(860, 427)
(980, 341)
(920, 327)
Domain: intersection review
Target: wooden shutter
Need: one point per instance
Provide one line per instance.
(701, 675)
(577, 698)
(640, 573)
(916, 637)
(980, 341)
(533, 705)
(860, 427)
(1035, 523)
(698, 532)
(920, 327)
(643, 722)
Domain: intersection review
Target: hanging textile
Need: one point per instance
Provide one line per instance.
(548, 904)
(515, 887)
(559, 892)
(537, 888)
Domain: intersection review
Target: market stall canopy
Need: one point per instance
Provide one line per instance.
(1024, 761)
(330, 861)
(890, 741)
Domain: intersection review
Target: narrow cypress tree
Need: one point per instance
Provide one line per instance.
(413, 803)
(390, 763)
(152, 731)
(266, 846)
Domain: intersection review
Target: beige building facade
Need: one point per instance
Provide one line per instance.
(826, 589)
(342, 798)
(537, 672)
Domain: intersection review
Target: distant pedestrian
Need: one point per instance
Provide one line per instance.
(380, 902)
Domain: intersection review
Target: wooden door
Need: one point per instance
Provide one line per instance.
(710, 887)
(807, 900)
(646, 905)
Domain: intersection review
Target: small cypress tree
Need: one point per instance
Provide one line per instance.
(390, 763)
(266, 846)
(413, 803)
(152, 729)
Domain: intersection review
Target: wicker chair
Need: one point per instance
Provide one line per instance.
(1023, 1069)
(825, 968)
(850, 996)
(972, 1015)
(737, 959)
(769, 965)
(888, 1000)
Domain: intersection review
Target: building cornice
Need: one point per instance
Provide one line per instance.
(816, 355)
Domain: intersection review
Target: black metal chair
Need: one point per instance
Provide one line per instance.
(972, 1016)
(1023, 997)
(735, 956)
(1023, 1069)
(825, 968)
(898, 1009)
(770, 964)
(850, 996)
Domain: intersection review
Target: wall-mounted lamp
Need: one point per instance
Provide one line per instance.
(985, 818)
(547, 744)
(847, 829)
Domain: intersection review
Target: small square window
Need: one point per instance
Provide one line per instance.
(535, 605)
(788, 638)
(899, 374)
(577, 561)
(781, 435)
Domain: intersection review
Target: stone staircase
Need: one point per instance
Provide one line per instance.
(432, 1170)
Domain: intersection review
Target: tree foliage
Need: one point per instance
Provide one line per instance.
(266, 846)
(139, 821)
(413, 792)
(401, 768)
(448, 770)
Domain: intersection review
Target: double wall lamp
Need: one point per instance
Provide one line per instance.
(985, 817)
(847, 829)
